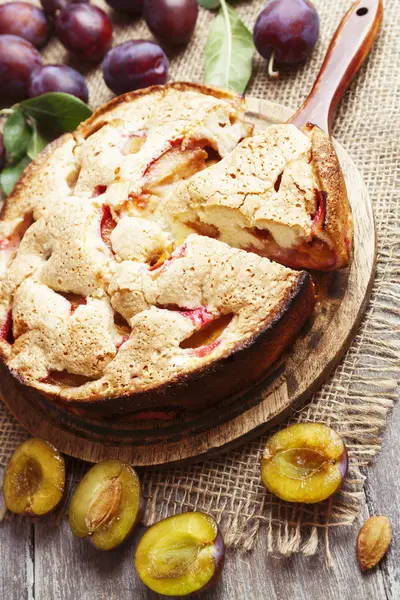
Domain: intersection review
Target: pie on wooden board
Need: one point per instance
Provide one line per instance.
(135, 253)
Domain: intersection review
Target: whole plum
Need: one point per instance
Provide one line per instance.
(52, 7)
(130, 7)
(58, 78)
(26, 21)
(287, 30)
(18, 58)
(171, 21)
(134, 65)
(84, 30)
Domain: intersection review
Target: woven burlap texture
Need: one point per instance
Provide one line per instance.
(359, 395)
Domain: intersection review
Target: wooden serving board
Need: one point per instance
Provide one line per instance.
(342, 298)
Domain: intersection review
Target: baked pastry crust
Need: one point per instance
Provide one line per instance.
(280, 193)
(101, 307)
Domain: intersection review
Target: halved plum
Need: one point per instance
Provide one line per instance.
(181, 555)
(306, 462)
(34, 479)
(107, 504)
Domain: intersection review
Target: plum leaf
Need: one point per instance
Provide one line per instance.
(10, 175)
(37, 143)
(209, 4)
(56, 111)
(229, 51)
(16, 136)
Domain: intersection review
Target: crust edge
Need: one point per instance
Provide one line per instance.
(241, 368)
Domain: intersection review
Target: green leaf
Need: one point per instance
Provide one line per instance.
(229, 51)
(210, 4)
(37, 143)
(56, 111)
(10, 175)
(16, 135)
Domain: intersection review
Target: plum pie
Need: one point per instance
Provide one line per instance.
(154, 257)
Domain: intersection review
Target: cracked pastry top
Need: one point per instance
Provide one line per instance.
(133, 253)
(280, 194)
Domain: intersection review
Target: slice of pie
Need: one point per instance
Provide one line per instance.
(102, 306)
(280, 194)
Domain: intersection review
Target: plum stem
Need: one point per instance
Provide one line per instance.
(271, 73)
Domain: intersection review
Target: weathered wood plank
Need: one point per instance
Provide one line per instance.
(80, 571)
(383, 498)
(16, 556)
(16, 560)
(66, 568)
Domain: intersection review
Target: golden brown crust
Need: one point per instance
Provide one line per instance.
(87, 127)
(11, 208)
(232, 373)
(337, 223)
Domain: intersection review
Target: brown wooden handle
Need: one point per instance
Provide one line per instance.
(349, 48)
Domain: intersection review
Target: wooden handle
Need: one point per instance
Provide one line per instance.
(349, 48)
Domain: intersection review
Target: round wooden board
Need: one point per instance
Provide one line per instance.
(342, 296)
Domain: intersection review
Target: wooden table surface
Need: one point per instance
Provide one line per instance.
(39, 562)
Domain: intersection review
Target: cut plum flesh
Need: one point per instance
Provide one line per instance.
(34, 478)
(306, 462)
(180, 555)
(106, 504)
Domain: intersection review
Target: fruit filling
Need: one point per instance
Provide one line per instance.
(74, 299)
(99, 190)
(107, 226)
(6, 329)
(106, 505)
(181, 555)
(133, 142)
(207, 338)
(34, 478)
(306, 462)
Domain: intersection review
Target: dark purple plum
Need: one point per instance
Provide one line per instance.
(52, 7)
(171, 21)
(18, 58)
(26, 21)
(287, 28)
(2, 152)
(84, 30)
(57, 78)
(134, 65)
(130, 7)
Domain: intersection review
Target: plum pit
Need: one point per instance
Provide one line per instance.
(306, 462)
(107, 504)
(34, 478)
(181, 555)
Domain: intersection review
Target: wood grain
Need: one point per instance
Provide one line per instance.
(347, 51)
(342, 299)
(52, 565)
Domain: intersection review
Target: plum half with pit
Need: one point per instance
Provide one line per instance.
(181, 555)
(286, 32)
(34, 479)
(306, 462)
(107, 504)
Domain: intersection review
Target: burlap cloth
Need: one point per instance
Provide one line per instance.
(357, 398)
